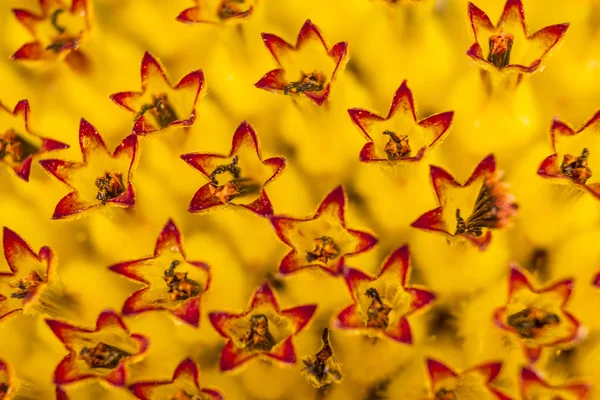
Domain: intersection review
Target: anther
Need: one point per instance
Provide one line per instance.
(64, 44)
(577, 168)
(231, 168)
(325, 250)
(179, 285)
(183, 395)
(103, 356)
(258, 337)
(313, 82)
(322, 369)
(54, 20)
(492, 209)
(3, 389)
(14, 149)
(25, 286)
(445, 394)
(397, 147)
(379, 390)
(110, 185)
(230, 8)
(531, 322)
(378, 312)
(500, 47)
(461, 226)
(236, 187)
(161, 110)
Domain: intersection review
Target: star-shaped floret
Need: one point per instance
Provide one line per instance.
(533, 386)
(537, 317)
(161, 105)
(400, 136)
(382, 304)
(101, 179)
(322, 240)
(218, 11)
(58, 31)
(264, 330)
(238, 178)
(185, 385)
(171, 282)
(27, 287)
(18, 145)
(510, 48)
(484, 193)
(307, 69)
(104, 352)
(473, 383)
(576, 155)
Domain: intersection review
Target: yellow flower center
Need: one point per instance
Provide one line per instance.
(103, 356)
(110, 185)
(577, 168)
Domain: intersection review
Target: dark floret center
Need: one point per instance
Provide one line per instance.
(179, 286)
